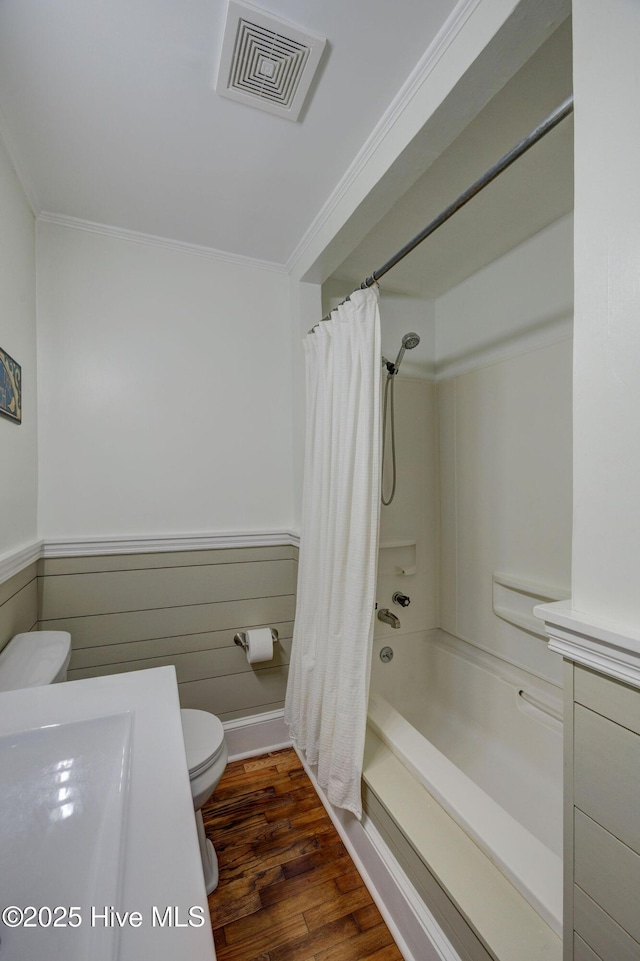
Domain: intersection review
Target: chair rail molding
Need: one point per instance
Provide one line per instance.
(14, 561)
(159, 543)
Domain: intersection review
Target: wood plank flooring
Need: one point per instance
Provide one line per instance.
(288, 889)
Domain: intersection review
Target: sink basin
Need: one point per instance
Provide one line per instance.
(62, 833)
(96, 813)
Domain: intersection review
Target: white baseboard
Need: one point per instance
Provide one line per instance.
(258, 734)
(414, 929)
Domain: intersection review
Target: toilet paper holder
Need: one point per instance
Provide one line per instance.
(241, 638)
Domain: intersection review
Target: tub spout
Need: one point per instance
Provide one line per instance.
(388, 618)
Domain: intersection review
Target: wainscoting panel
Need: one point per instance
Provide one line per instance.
(143, 560)
(18, 604)
(96, 630)
(131, 612)
(114, 592)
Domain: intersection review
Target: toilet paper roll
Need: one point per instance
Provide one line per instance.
(259, 644)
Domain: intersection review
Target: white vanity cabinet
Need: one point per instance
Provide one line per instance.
(601, 784)
(602, 817)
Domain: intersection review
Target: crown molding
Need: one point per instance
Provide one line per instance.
(427, 63)
(606, 648)
(151, 240)
(13, 562)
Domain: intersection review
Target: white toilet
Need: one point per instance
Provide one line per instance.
(42, 657)
(206, 758)
(35, 659)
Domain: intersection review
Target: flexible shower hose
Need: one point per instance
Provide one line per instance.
(390, 379)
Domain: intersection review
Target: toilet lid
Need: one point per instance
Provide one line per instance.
(34, 659)
(203, 739)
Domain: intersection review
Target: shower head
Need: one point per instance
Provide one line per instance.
(409, 341)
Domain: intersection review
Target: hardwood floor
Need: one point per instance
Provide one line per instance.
(288, 889)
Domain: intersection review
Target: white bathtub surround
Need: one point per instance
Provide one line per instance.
(484, 738)
(501, 511)
(480, 911)
(326, 703)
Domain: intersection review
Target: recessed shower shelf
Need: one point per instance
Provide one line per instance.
(387, 545)
(404, 563)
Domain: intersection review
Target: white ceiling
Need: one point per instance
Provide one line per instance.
(110, 114)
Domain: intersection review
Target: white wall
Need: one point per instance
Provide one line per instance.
(18, 443)
(606, 555)
(306, 310)
(505, 440)
(521, 301)
(164, 390)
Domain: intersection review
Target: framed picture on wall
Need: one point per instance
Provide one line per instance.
(10, 388)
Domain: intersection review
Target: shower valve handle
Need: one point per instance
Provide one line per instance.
(401, 599)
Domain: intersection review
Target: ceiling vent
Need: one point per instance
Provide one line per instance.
(266, 62)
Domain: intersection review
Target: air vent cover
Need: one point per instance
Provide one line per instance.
(266, 62)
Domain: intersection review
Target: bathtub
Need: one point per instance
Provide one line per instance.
(485, 739)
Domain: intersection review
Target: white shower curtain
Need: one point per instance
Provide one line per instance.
(326, 701)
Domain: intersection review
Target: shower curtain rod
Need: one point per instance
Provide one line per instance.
(538, 132)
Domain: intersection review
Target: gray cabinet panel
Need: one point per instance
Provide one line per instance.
(613, 699)
(608, 871)
(607, 754)
(599, 930)
(582, 951)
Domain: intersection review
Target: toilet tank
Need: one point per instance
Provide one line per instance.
(34, 659)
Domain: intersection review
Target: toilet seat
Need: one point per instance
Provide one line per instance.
(203, 740)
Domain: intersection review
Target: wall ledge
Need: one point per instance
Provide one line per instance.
(602, 646)
(159, 543)
(16, 560)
